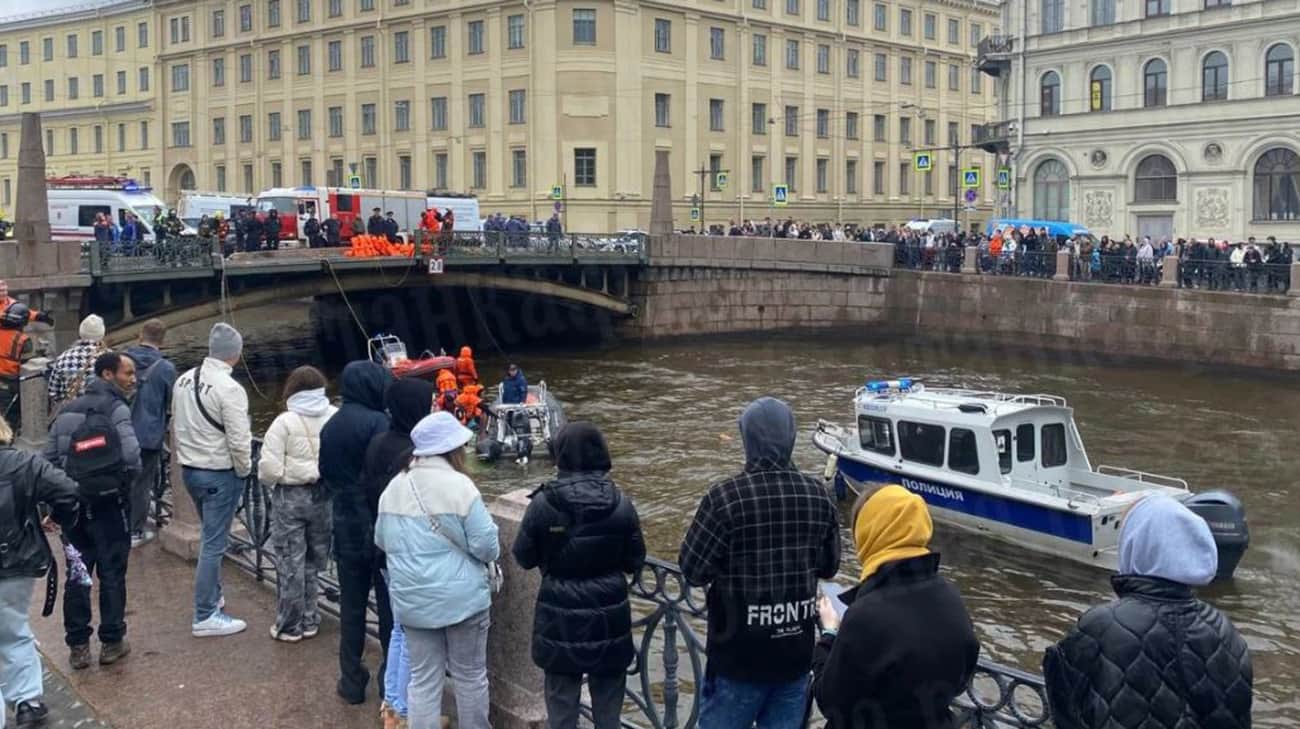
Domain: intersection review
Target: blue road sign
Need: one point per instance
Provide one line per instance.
(1004, 178)
(922, 161)
(970, 177)
(780, 195)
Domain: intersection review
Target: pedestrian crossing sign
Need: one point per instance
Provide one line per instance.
(720, 180)
(780, 195)
(557, 193)
(970, 177)
(695, 215)
(1004, 178)
(922, 162)
(354, 182)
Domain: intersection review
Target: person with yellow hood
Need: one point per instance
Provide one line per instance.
(905, 648)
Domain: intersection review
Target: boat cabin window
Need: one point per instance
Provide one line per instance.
(963, 456)
(1054, 445)
(876, 434)
(1002, 438)
(1025, 442)
(921, 442)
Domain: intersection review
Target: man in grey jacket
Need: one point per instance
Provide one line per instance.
(101, 535)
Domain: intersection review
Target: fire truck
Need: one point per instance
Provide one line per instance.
(296, 205)
(74, 201)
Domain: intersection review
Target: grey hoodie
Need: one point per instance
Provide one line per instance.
(1163, 538)
(768, 431)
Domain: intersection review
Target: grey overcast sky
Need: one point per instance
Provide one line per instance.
(22, 7)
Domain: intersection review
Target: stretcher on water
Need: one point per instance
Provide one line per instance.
(516, 430)
(1007, 465)
(389, 351)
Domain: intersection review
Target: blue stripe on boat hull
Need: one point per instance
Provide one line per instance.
(1074, 527)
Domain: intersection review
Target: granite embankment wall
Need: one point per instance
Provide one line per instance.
(702, 285)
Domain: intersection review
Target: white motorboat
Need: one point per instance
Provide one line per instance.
(516, 429)
(1008, 465)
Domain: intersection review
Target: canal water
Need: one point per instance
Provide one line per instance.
(669, 412)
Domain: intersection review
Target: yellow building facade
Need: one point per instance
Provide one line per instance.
(91, 73)
(511, 99)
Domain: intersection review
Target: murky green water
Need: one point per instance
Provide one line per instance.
(669, 413)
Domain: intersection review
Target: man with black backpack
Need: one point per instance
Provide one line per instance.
(155, 375)
(94, 442)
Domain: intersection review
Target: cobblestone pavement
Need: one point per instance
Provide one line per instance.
(67, 710)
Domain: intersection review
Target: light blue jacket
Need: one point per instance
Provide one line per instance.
(430, 583)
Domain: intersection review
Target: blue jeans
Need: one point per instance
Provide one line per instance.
(216, 497)
(729, 704)
(397, 676)
(20, 665)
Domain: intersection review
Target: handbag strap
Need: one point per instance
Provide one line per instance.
(198, 381)
(311, 441)
(433, 522)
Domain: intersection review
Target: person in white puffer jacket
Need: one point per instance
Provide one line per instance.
(300, 507)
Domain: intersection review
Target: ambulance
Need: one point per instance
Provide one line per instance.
(74, 202)
(296, 205)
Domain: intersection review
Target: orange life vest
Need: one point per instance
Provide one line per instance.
(13, 342)
(446, 381)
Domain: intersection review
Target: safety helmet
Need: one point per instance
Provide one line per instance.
(15, 316)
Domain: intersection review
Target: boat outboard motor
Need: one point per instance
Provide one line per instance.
(1227, 519)
(518, 422)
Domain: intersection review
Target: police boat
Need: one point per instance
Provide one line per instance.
(516, 430)
(1011, 466)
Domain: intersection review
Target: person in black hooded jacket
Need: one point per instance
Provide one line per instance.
(584, 535)
(343, 444)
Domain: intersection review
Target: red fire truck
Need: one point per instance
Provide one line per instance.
(297, 204)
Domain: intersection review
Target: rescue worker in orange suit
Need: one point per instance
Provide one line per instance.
(468, 405)
(15, 346)
(446, 384)
(466, 373)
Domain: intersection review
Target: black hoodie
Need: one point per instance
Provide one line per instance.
(343, 443)
(585, 537)
(409, 400)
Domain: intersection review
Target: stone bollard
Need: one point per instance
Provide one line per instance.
(1294, 289)
(517, 699)
(1062, 266)
(970, 259)
(34, 404)
(182, 536)
(1169, 273)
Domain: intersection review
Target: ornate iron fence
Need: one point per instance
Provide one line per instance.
(189, 251)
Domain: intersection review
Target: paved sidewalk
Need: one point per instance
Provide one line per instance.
(172, 679)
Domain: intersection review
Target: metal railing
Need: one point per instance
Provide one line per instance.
(996, 45)
(188, 252)
(1033, 264)
(1260, 278)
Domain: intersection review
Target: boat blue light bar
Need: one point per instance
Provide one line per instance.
(902, 384)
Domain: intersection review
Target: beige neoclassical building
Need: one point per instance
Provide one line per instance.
(508, 99)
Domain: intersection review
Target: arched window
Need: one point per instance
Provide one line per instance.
(1051, 191)
(1214, 77)
(1099, 89)
(1049, 94)
(1277, 185)
(1155, 77)
(1156, 179)
(187, 179)
(1279, 67)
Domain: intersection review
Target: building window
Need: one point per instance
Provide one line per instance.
(438, 41)
(1103, 12)
(904, 130)
(823, 123)
(791, 121)
(904, 178)
(367, 51)
(49, 142)
(881, 67)
(181, 77)
(1214, 77)
(584, 27)
(24, 53)
(366, 5)
(180, 30)
(479, 165)
(851, 177)
(304, 11)
(277, 174)
(928, 26)
(853, 12)
(221, 178)
(119, 39)
(1053, 15)
(218, 72)
(880, 17)
(304, 60)
(756, 174)
(518, 168)
(824, 10)
(97, 43)
(928, 132)
(47, 49)
(1156, 8)
(760, 49)
(1217, 4)
(121, 137)
(180, 134)
(4, 95)
(954, 134)
(515, 36)
(1049, 94)
(121, 82)
(74, 147)
(1099, 82)
(792, 55)
(851, 62)
(1155, 83)
(336, 121)
(878, 178)
(931, 74)
(440, 171)
(248, 177)
(273, 64)
(370, 167)
(273, 13)
(822, 169)
(584, 167)
(219, 130)
(72, 45)
(368, 123)
(905, 71)
(661, 110)
(245, 18)
(335, 10)
(663, 36)
(273, 126)
(518, 106)
(477, 110)
(401, 47)
(402, 116)
(334, 51)
(245, 129)
(954, 31)
(851, 125)
(792, 7)
(438, 113)
(49, 90)
(26, 93)
(474, 42)
(1279, 69)
(1051, 191)
(717, 44)
(760, 4)
(246, 68)
(976, 33)
(758, 118)
(1156, 180)
(1277, 185)
(404, 172)
(823, 59)
(905, 22)
(144, 135)
(792, 173)
(74, 88)
(305, 172)
(880, 128)
(716, 121)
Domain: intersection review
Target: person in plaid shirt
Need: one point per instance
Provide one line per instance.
(759, 542)
(70, 372)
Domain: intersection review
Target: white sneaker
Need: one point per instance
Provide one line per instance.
(278, 634)
(218, 624)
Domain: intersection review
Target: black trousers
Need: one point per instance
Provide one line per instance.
(105, 544)
(358, 574)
